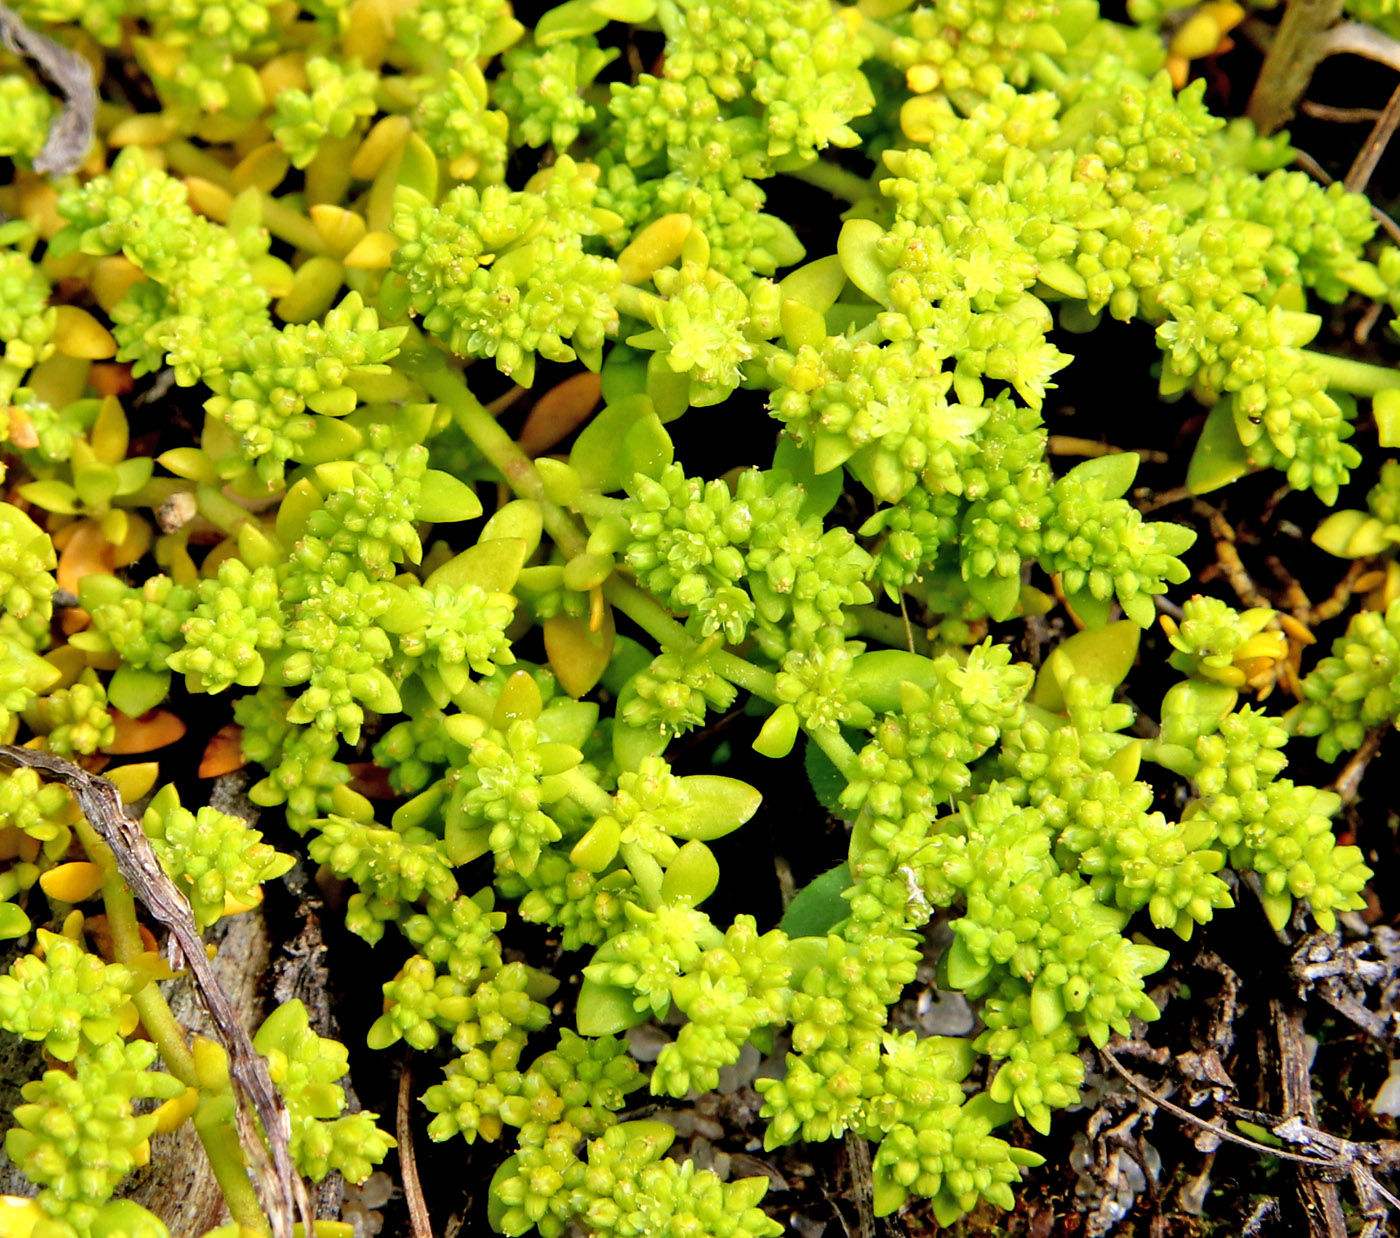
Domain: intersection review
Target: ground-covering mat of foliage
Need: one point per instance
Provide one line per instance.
(697, 617)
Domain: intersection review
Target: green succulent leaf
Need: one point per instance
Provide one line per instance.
(818, 907)
(445, 498)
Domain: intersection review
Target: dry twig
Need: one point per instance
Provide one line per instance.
(1364, 165)
(1321, 1203)
(281, 1192)
(70, 134)
(862, 1183)
(1336, 1158)
(408, 1161)
(1340, 115)
(1345, 977)
(1348, 782)
(1319, 173)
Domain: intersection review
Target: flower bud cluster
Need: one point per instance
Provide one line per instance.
(217, 862)
(76, 1136)
(305, 1067)
(697, 545)
(1354, 688)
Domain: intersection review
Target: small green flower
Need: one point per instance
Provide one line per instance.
(215, 859)
(541, 89)
(305, 1067)
(340, 96)
(76, 1136)
(76, 718)
(238, 619)
(65, 997)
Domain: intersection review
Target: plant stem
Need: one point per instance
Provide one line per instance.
(289, 224)
(838, 181)
(646, 612)
(220, 510)
(283, 221)
(1354, 377)
(635, 301)
(881, 38)
(838, 751)
(190, 160)
(597, 506)
(225, 1156)
(1358, 39)
(475, 700)
(653, 618)
(888, 629)
(587, 794)
(447, 387)
(444, 384)
(1297, 46)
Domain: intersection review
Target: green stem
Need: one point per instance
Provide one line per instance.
(647, 613)
(888, 629)
(190, 160)
(588, 794)
(475, 700)
(598, 506)
(220, 510)
(836, 180)
(1046, 72)
(635, 302)
(160, 1022)
(744, 674)
(658, 623)
(840, 753)
(289, 224)
(447, 387)
(1355, 377)
(225, 1156)
(881, 38)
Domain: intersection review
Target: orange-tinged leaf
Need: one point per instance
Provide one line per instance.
(579, 656)
(156, 729)
(111, 378)
(21, 428)
(110, 435)
(135, 544)
(10, 839)
(173, 1112)
(111, 279)
(59, 380)
(368, 31)
(234, 906)
(371, 781)
(85, 552)
(19, 1216)
(223, 753)
(559, 412)
(76, 619)
(69, 662)
(99, 934)
(78, 334)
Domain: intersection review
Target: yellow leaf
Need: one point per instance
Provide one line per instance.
(75, 882)
(157, 729)
(579, 656)
(78, 334)
(559, 412)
